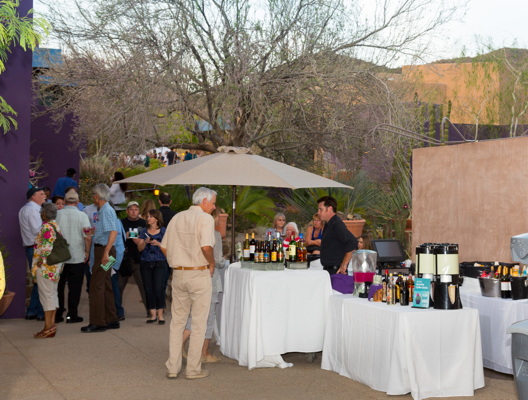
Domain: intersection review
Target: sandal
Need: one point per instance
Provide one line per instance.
(46, 333)
(210, 358)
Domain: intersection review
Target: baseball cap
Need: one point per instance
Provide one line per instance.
(71, 196)
(132, 203)
(32, 191)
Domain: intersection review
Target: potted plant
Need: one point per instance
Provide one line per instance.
(351, 204)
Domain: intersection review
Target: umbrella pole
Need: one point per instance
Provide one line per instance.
(233, 196)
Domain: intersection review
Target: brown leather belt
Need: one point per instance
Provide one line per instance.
(191, 268)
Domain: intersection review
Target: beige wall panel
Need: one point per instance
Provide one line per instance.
(473, 194)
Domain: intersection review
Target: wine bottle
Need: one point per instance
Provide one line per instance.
(399, 285)
(252, 245)
(292, 250)
(246, 248)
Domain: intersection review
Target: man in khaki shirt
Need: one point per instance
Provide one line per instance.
(188, 245)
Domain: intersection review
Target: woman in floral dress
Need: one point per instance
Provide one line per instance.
(47, 276)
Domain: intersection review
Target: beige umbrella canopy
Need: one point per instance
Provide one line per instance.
(234, 166)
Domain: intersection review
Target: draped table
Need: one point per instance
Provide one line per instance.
(269, 313)
(397, 350)
(496, 315)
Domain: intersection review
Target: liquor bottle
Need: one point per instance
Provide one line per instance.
(246, 248)
(273, 256)
(267, 251)
(292, 250)
(391, 291)
(404, 298)
(280, 253)
(261, 251)
(301, 249)
(399, 285)
(497, 270)
(252, 245)
(384, 284)
(410, 286)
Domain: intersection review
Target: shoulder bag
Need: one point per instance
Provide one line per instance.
(60, 251)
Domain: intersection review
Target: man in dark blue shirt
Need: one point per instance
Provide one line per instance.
(64, 182)
(337, 243)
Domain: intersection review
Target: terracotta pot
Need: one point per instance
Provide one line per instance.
(355, 226)
(5, 301)
(222, 224)
(408, 224)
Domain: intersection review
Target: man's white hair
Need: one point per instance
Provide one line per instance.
(203, 193)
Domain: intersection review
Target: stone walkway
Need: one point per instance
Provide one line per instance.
(129, 363)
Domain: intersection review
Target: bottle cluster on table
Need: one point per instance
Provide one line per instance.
(503, 274)
(274, 249)
(398, 289)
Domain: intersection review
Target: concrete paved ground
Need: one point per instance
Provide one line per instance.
(129, 364)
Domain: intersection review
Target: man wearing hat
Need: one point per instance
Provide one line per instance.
(75, 227)
(30, 222)
(64, 182)
(133, 225)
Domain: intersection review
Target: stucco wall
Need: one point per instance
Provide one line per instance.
(473, 194)
(15, 87)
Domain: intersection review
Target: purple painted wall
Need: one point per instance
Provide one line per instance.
(15, 87)
(54, 148)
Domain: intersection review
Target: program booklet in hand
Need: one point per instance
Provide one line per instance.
(109, 264)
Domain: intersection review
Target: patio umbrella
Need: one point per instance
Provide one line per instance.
(234, 166)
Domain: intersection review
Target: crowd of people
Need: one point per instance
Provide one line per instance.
(150, 244)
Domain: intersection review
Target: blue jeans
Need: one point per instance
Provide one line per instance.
(120, 311)
(34, 308)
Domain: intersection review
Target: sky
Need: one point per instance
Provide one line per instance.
(502, 22)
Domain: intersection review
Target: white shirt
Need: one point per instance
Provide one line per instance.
(71, 222)
(117, 196)
(30, 222)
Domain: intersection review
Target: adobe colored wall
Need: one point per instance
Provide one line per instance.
(473, 194)
(15, 87)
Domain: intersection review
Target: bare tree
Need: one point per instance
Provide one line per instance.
(280, 76)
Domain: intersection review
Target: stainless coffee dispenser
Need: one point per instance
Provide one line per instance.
(364, 264)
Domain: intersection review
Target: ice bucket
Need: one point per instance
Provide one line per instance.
(489, 287)
(519, 288)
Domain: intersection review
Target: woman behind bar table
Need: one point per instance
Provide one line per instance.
(314, 234)
(47, 276)
(278, 226)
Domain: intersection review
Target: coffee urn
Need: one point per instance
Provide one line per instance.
(446, 293)
(364, 264)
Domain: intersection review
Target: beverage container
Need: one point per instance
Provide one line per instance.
(292, 250)
(410, 286)
(399, 286)
(404, 298)
(505, 284)
(252, 245)
(267, 251)
(384, 284)
(261, 251)
(301, 250)
(391, 291)
(280, 253)
(273, 256)
(246, 248)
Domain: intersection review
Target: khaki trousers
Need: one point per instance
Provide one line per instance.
(191, 294)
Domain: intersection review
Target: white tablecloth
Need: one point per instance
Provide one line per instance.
(496, 315)
(269, 313)
(397, 350)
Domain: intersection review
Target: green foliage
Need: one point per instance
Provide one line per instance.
(16, 30)
(361, 200)
(254, 206)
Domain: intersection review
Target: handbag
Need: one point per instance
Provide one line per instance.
(60, 251)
